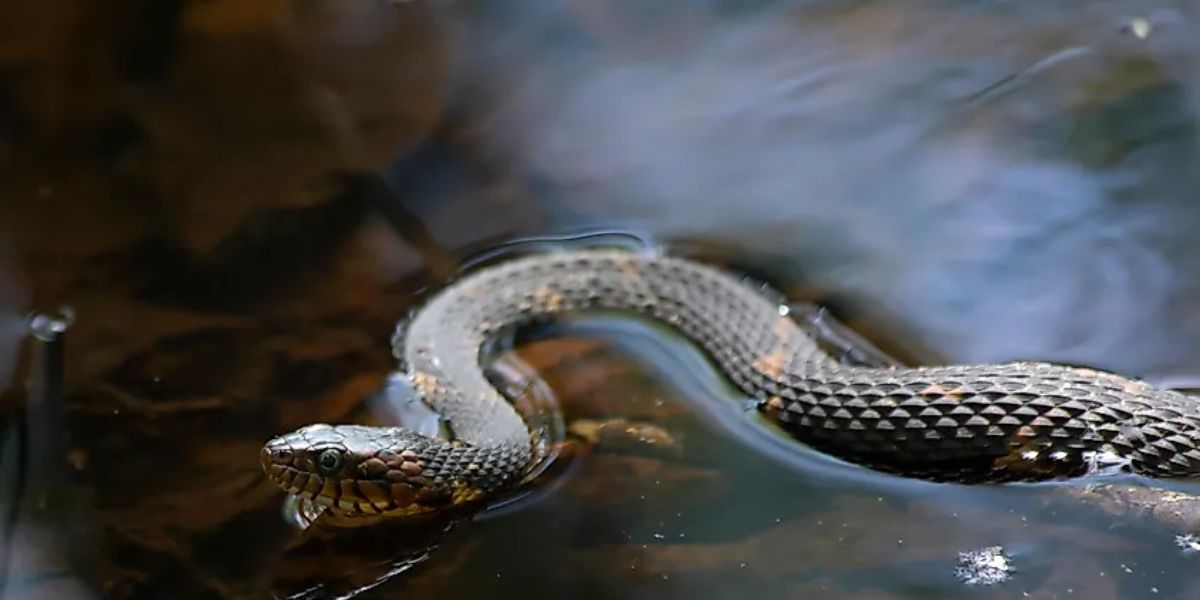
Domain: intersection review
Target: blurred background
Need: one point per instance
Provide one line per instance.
(234, 200)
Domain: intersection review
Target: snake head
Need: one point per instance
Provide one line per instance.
(359, 471)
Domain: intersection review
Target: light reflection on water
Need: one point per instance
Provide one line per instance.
(855, 141)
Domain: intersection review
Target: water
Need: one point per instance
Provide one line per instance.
(237, 201)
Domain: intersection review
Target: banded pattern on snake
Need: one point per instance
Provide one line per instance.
(964, 423)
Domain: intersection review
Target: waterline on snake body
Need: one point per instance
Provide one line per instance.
(962, 423)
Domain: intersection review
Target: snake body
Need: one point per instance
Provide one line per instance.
(964, 423)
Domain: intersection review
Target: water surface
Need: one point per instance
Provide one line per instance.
(238, 200)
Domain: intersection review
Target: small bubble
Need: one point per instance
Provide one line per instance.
(48, 328)
(784, 310)
(659, 536)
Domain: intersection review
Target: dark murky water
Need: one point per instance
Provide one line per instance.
(237, 200)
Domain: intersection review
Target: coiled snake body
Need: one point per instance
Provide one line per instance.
(973, 423)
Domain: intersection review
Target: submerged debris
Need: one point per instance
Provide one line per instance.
(986, 566)
(623, 435)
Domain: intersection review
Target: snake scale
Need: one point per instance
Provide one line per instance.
(1016, 421)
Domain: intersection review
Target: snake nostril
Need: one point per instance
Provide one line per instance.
(281, 456)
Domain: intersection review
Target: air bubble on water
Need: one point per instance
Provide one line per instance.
(784, 310)
(47, 327)
(985, 566)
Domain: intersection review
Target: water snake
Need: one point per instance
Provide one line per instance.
(1015, 421)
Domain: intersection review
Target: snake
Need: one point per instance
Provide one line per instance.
(969, 423)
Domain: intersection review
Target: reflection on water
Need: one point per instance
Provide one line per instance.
(239, 199)
(918, 159)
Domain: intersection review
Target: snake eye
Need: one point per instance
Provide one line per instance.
(330, 460)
